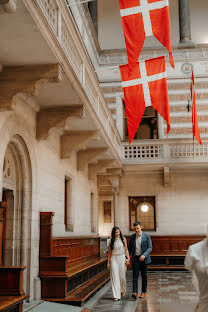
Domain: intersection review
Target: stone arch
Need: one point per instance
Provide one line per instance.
(17, 183)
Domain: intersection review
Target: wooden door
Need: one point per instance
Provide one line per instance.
(2, 230)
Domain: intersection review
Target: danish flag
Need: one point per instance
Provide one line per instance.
(143, 18)
(195, 126)
(145, 85)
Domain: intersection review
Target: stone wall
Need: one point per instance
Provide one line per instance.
(181, 207)
(44, 174)
(109, 22)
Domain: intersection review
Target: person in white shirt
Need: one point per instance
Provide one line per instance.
(140, 246)
(117, 254)
(196, 261)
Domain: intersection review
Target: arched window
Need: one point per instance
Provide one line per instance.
(142, 209)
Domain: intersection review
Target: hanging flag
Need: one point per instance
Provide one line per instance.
(143, 18)
(195, 126)
(143, 86)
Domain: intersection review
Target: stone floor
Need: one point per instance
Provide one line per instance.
(167, 292)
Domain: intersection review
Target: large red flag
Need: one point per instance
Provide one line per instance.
(195, 126)
(145, 85)
(143, 18)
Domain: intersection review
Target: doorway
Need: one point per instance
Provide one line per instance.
(16, 208)
(2, 230)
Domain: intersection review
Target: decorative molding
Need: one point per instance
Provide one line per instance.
(166, 172)
(115, 171)
(100, 167)
(29, 99)
(25, 79)
(164, 151)
(89, 156)
(9, 6)
(55, 117)
(75, 141)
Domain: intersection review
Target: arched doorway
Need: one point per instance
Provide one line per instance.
(17, 201)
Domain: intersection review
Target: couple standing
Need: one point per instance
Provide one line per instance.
(140, 247)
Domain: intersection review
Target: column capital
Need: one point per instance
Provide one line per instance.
(115, 189)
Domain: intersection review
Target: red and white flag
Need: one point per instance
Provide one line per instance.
(195, 126)
(143, 86)
(143, 18)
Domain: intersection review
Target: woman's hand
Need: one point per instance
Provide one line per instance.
(127, 262)
(108, 266)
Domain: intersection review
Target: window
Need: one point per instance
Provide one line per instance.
(142, 209)
(148, 128)
(68, 205)
(107, 212)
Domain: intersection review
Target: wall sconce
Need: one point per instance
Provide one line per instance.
(188, 105)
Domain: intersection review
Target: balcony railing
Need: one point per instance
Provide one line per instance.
(59, 18)
(159, 151)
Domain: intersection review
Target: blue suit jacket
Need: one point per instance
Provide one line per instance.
(146, 246)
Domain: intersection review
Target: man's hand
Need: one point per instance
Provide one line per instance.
(108, 266)
(142, 258)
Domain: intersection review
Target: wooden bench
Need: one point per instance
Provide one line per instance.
(71, 269)
(11, 291)
(168, 252)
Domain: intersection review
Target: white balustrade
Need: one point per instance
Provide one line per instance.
(50, 10)
(163, 151)
(91, 91)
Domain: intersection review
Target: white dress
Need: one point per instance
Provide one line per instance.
(118, 269)
(196, 261)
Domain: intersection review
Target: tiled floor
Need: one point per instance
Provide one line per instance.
(167, 292)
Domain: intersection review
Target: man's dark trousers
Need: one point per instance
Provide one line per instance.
(139, 266)
(146, 248)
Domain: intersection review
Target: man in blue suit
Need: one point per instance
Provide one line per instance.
(140, 246)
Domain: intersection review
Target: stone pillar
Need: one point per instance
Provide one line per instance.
(184, 24)
(115, 206)
(92, 6)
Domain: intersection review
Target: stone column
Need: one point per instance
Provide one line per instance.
(184, 24)
(92, 6)
(115, 206)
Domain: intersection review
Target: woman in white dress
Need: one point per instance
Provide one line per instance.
(196, 261)
(118, 258)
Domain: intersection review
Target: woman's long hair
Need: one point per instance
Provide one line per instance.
(113, 236)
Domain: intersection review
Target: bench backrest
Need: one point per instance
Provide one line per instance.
(76, 248)
(173, 243)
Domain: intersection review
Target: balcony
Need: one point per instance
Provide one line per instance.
(163, 151)
(56, 23)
